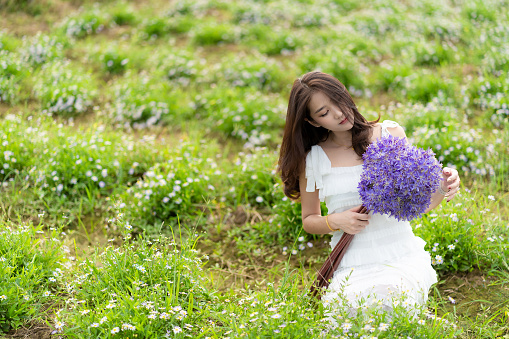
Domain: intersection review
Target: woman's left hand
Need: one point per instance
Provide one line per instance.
(451, 182)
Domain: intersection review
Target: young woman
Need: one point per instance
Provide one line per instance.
(321, 160)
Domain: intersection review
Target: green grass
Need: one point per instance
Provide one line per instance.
(172, 112)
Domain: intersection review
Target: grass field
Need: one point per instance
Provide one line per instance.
(138, 151)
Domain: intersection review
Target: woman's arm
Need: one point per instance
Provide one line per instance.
(313, 222)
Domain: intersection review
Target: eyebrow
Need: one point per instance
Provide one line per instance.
(318, 110)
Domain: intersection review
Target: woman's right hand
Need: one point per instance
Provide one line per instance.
(349, 221)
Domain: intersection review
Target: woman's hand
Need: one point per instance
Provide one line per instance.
(450, 182)
(349, 221)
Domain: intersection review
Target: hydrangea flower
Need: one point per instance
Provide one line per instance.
(398, 179)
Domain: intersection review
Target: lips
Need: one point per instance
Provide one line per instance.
(342, 122)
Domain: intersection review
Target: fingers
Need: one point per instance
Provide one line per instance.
(355, 229)
(452, 182)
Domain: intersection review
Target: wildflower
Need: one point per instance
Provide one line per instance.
(383, 327)
(259, 199)
(94, 178)
(177, 329)
(452, 300)
(294, 252)
(178, 201)
(85, 312)
(94, 325)
(451, 246)
(439, 259)
(59, 325)
(115, 330)
(346, 327)
(309, 244)
(128, 327)
(103, 320)
(102, 184)
(3, 297)
(276, 316)
(301, 239)
(46, 294)
(421, 322)
(491, 197)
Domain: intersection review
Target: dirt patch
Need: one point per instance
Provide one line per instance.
(36, 330)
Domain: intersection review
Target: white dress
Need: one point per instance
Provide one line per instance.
(384, 259)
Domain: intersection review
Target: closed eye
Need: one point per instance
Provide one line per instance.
(324, 114)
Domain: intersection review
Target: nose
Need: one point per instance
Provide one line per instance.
(339, 115)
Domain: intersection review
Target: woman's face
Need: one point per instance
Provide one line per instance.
(327, 115)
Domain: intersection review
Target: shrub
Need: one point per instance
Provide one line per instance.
(87, 23)
(144, 101)
(211, 33)
(64, 90)
(458, 236)
(169, 191)
(251, 70)
(41, 49)
(12, 72)
(243, 113)
(336, 61)
(114, 61)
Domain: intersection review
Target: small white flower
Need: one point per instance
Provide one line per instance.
(259, 199)
(3, 297)
(85, 312)
(421, 322)
(166, 199)
(451, 246)
(177, 329)
(94, 178)
(276, 316)
(102, 184)
(94, 325)
(115, 330)
(439, 259)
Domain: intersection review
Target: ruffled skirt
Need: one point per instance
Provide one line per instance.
(384, 261)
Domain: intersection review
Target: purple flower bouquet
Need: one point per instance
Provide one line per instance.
(398, 179)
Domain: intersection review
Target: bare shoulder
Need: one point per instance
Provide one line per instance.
(397, 131)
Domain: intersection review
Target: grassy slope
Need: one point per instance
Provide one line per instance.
(238, 265)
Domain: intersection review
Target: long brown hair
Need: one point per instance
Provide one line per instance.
(299, 135)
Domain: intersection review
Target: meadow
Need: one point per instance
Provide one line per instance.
(138, 152)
